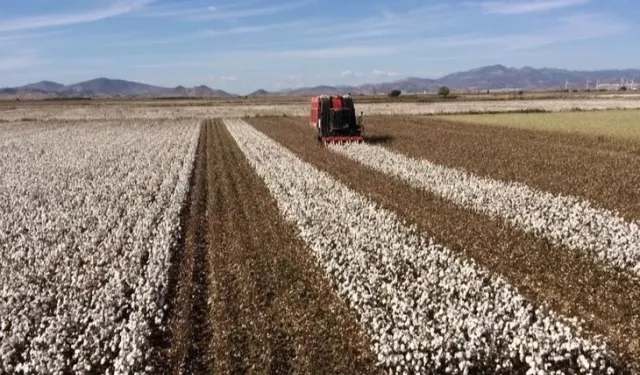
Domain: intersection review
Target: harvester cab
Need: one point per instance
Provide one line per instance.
(335, 119)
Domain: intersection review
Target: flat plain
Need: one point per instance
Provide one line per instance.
(618, 124)
(139, 237)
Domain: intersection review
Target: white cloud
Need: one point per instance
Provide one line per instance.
(527, 6)
(15, 63)
(419, 20)
(227, 12)
(351, 73)
(386, 74)
(180, 11)
(567, 29)
(253, 12)
(338, 52)
(115, 9)
(18, 60)
(228, 78)
(12, 39)
(240, 30)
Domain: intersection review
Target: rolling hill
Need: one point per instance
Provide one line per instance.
(491, 77)
(105, 87)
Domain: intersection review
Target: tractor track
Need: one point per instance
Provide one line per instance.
(566, 281)
(189, 331)
(247, 296)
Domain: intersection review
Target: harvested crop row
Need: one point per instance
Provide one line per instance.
(603, 171)
(266, 308)
(426, 308)
(568, 281)
(89, 215)
(186, 341)
(563, 220)
(241, 109)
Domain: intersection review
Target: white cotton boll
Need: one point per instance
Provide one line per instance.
(84, 198)
(453, 308)
(565, 221)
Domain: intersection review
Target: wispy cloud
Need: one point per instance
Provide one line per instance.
(351, 73)
(566, 29)
(337, 52)
(527, 6)
(390, 23)
(236, 11)
(172, 11)
(14, 63)
(563, 30)
(36, 22)
(18, 60)
(20, 38)
(215, 14)
(385, 74)
(240, 30)
(227, 78)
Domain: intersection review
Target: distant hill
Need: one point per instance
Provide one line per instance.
(45, 86)
(491, 77)
(106, 87)
(260, 93)
(485, 78)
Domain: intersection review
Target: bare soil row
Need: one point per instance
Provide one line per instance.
(566, 281)
(248, 297)
(604, 171)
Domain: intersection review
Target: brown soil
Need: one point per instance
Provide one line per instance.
(564, 280)
(250, 299)
(604, 171)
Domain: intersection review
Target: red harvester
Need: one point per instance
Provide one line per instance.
(335, 118)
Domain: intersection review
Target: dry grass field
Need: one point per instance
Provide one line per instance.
(619, 124)
(223, 238)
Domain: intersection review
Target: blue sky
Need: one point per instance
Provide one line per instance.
(243, 45)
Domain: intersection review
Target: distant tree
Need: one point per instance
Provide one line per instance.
(623, 88)
(444, 91)
(395, 93)
(521, 92)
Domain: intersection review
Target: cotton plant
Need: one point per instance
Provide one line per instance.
(426, 308)
(90, 212)
(563, 220)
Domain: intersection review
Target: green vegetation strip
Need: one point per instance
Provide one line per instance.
(616, 123)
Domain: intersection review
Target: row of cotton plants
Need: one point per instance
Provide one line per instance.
(89, 213)
(426, 309)
(239, 109)
(563, 220)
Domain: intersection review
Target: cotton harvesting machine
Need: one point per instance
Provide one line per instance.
(336, 120)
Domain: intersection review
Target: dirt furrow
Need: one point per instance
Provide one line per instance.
(604, 171)
(566, 281)
(267, 308)
(188, 328)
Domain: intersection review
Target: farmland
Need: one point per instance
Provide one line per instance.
(139, 238)
(617, 124)
(186, 109)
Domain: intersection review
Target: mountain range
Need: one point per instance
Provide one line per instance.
(105, 87)
(494, 77)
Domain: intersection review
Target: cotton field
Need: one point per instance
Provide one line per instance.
(564, 220)
(89, 217)
(238, 110)
(427, 310)
(195, 239)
